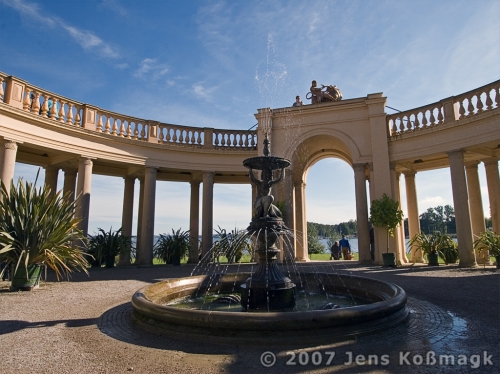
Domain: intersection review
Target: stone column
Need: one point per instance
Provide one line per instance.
(147, 224)
(413, 217)
(8, 155)
(84, 185)
(194, 225)
(207, 218)
(51, 174)
(492, 179)
(287, 248)
(127, 214)
(69, 184)
(476, 208)
(461, 205)
(301, 223)
(397, 242)
(140, 215)
(362, 213)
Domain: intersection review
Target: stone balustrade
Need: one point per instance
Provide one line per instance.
(48, 105)
(447, 110)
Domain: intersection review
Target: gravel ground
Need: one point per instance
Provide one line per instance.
(83, 326)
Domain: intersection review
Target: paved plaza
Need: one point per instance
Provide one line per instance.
(84, 326)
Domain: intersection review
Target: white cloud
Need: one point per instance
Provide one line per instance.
(86, 39)
(115, 6)
(150, 68)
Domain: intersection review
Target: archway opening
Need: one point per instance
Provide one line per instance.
(330, 204)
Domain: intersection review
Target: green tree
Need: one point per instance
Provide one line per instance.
(313, 244)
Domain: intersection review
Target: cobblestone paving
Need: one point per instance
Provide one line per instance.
(85, 326)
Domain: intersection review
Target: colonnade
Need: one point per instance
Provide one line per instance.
(77, 184)
(466, 191)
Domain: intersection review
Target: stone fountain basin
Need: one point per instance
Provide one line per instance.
(386, 307)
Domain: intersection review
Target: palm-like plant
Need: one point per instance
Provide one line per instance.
(171, 248)
(37, 227)
(436, 243)
(107, 245)
(488, 240)
(233, 245)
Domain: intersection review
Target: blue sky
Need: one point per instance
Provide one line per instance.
(213, 63)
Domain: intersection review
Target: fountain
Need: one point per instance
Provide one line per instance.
(267, 289)
(266, 298)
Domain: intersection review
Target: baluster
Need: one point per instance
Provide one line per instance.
(99, 122)
(167, 138)
(77, 118)
(432, 119)
(61, 111)
(69, 117)
(107, 126)
(480, 104)
(424, 119)
(461, 109)
(191, 137)
(489, 102)
(417, 121)
(27, 99)
(136, 131)
(143, 131)
(115, 126)
(440, 116)
(397, 123)
(470, 108)
(53, 110)
(35, 107)
(497, 97)
(392, 126)
(122, 128)
(129, 130)
(2, 91)
(197, 138)
(45, 107)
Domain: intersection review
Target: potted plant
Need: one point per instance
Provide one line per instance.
(435, 246)
(491, 241)
(38, 229)
(173, 247)
(105, 246)
(385, 213)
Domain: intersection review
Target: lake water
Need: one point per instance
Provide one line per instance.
(353, 242)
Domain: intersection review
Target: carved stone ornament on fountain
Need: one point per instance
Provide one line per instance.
(267, 289)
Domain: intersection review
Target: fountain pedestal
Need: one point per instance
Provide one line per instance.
(267, 289)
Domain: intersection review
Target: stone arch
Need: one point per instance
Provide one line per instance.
(315, 148)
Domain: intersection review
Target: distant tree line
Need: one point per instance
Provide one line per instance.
(440, 218)
(334, 231)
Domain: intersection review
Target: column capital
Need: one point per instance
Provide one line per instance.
(490, 161)
(409, 173)
(150, 170)
(87, 161)
(10, 144)
(458, 153)
(70, 172)
(359, 167)
(471, 164)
